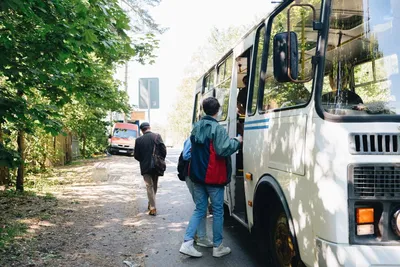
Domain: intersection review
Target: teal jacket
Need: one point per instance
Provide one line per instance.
(211, 150)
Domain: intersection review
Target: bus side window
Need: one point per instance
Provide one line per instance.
(198, 108)
(258, 55)
(208, 83)
(242, 81)
(222, 89)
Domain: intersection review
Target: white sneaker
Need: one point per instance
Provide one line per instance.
(204, 242)
(221, 251)
(188, 249)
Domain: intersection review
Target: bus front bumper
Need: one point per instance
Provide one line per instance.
(332, 255)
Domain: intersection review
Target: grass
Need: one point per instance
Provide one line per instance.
(45, 217)
(49, 196)
(9, 232)
(18, 211)
(22, 212)
(76, 172)
(10, 193)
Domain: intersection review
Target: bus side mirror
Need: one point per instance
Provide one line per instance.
(109, 136)
(285, 57)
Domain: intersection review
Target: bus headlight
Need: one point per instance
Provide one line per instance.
(396, 222)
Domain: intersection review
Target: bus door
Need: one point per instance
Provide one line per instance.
(223, 94)
(242, 67)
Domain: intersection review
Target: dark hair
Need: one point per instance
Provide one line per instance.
(245, 79)
(211, 106)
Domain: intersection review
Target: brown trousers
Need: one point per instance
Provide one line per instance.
(151, 182)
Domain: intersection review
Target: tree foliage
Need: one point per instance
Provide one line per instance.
(58, 53)
(180, 118)
(142, 20)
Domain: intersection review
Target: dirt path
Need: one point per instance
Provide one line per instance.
(98, 217)
(101, 226)
(94, 223)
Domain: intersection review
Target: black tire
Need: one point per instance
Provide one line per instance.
(282, 246)
(274, 242)
(110, 151)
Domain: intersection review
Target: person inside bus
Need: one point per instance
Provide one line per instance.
(342, 94)
(241, 105)
(242, 97)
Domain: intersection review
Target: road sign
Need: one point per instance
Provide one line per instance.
(149, 93)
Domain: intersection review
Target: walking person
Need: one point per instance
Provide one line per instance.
(210, 171)
(145, 146)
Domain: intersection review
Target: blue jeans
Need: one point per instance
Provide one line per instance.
(201, 231)
(201, 193)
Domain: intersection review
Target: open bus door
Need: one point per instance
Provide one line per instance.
(237, 190)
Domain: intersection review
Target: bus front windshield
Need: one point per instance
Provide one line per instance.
(362, 61)
(125, 133)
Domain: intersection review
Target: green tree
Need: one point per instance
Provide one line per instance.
(54, 52)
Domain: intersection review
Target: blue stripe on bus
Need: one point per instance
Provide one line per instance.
(256, 121)
(256, 127)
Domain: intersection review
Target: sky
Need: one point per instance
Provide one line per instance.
(189, 24)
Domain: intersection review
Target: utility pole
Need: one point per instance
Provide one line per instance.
(149, 97)
(126, 85)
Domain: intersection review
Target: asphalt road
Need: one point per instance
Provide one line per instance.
(164, 233)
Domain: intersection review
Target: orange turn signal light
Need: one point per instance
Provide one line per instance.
(365, 215)
(249, 176)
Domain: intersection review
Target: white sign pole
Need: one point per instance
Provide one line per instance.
(149, 97)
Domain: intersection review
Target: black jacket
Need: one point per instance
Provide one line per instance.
(144, 150)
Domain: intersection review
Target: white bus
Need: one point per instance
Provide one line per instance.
(318, 177)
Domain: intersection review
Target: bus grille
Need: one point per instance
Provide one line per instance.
(380, 181)
(375, 144)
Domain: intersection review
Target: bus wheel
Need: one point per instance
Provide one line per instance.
(282, 247)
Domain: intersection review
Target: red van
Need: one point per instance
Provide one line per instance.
(122, 140)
